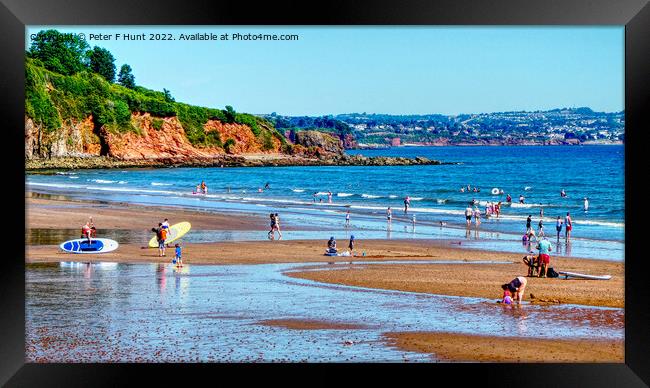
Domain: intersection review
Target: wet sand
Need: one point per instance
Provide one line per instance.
(484, 280)
(474, 348)
(302, 324)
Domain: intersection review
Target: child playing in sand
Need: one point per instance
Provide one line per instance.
(507, 299)
(178, 259)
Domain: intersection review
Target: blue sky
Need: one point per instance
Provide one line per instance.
(395, 70)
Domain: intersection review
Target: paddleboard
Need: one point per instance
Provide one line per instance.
(176, 231)
(583, 276)
(98, 245)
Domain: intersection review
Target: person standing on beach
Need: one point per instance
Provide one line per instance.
(351, 246)
(517, 287)
(568, 226)
(468, 214)
(544, 247)
(389, 215)
(178, 258)
(558, 226)
(347, 219)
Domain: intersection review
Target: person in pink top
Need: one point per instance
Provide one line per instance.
(567, 226)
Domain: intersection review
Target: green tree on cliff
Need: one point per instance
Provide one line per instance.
(62, 53)
(125, 78)
(102, 63)
(168, 95)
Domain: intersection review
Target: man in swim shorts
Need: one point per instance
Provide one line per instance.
(468, 215)
(568, 226)
(544, 247)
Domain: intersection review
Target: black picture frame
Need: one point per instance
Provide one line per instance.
(634, 14)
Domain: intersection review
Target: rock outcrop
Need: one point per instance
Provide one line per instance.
(323, 142)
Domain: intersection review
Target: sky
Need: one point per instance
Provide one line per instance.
(393, 70)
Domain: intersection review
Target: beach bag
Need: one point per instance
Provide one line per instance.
(551, 273)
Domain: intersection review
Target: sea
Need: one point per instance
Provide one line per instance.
(300, 194)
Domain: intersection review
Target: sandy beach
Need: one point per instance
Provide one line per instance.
(461, 272)
(474, 348)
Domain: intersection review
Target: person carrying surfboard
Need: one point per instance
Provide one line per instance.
(161, 234)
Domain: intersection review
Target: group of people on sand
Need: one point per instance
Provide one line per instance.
(539, 266)
(162, 234)
(331, 245)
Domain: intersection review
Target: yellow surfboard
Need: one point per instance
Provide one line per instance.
(176, 231)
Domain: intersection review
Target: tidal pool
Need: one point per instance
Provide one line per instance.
(115, 312)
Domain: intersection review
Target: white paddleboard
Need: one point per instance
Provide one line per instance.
(583, 276)
(81, 245)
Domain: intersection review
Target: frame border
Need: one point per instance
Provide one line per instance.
(634, 14)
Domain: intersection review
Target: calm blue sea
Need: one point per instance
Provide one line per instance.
(537, 172)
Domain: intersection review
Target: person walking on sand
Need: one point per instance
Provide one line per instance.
(568, 226)
(468, 214)
(517, 287)
(351, 245)
(271, 233)
(389, 215)
(277, 225)
(544, 247)
(347, 219)
(558, 226)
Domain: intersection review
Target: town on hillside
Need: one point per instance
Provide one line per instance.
(551, 127)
